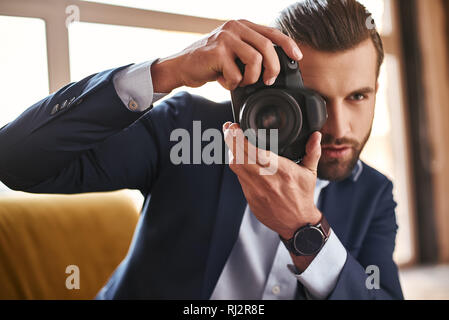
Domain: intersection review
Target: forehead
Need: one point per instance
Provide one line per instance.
(340, 73)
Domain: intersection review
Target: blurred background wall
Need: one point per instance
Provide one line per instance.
(46, 44)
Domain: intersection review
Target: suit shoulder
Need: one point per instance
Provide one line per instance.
(374, 177)
(213, 114)
(197, 108)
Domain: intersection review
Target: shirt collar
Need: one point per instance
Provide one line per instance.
(357, 171)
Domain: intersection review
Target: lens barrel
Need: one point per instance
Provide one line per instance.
(271, 109)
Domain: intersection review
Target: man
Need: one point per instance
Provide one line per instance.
(213, 231)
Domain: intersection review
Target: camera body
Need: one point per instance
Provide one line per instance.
(295, 111)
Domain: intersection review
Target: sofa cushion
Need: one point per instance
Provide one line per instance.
(41, 235)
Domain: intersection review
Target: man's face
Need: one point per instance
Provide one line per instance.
(347, 80)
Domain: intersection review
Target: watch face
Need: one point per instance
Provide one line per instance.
(309, 241)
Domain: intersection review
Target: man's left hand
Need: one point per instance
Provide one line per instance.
(283, 201)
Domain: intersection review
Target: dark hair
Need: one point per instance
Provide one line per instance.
(330, 25)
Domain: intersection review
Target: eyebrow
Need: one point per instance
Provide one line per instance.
(365, 90)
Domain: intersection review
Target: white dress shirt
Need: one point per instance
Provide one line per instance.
(257, 266)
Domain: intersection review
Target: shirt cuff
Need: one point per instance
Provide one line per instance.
(321, 276)
(134, 86)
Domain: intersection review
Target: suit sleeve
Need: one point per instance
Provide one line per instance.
(377, 250)
(79, 139)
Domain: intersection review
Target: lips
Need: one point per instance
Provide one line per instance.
(335, 151)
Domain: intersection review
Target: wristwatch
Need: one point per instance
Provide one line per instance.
(309, 239)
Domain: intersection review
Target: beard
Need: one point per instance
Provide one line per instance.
(334, 169)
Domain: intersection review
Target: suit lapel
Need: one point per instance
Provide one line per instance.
(336, 207)
(230, 210)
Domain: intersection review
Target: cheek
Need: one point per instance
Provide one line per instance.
(361, 120)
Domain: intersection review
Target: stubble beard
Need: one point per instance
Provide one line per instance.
(334, 169)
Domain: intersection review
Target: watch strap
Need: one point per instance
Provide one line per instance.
(323, 225)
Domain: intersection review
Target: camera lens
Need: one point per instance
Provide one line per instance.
(269, 117)
(271, 109)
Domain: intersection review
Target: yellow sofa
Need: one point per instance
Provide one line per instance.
(41, 235)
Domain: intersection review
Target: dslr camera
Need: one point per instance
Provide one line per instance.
(295, 111)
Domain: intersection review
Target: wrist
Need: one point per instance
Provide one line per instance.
(165, 76)
(307, 241)
(313, 219)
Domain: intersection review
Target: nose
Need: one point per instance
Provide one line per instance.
(338, 121)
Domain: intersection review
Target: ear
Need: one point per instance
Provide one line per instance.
(377, 86)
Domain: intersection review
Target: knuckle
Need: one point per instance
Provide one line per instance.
(267, 45)
(273, 32)
(222, 36)
(285, 176)
(235, 79)
(230, 25)
(219, 52)
(242, 21)
(256, 58)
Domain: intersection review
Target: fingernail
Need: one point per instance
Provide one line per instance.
(226, 125)
(297, 53)
(271, 81)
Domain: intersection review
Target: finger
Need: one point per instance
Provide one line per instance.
(235, 142)
(251, 58)
(245, 157)
(226, 125)
(288, 44)
(231, 75)
(233, 47)
(263, 45)
(313, 152)
(240, 160)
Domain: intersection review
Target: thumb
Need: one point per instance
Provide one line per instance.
(313, 152)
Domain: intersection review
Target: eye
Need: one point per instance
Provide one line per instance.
(358, 97)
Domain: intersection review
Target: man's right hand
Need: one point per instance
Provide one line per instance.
(213, 58)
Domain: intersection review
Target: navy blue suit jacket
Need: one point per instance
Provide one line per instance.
(192, 213)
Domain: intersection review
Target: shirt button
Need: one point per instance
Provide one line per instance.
(71, 101)
(63, 105)
(55, 109)
(276, 290)
(132, 105)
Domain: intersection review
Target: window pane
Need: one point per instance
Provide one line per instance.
(97, 47)
(381, 11)
(253, 10)
(23, 65)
